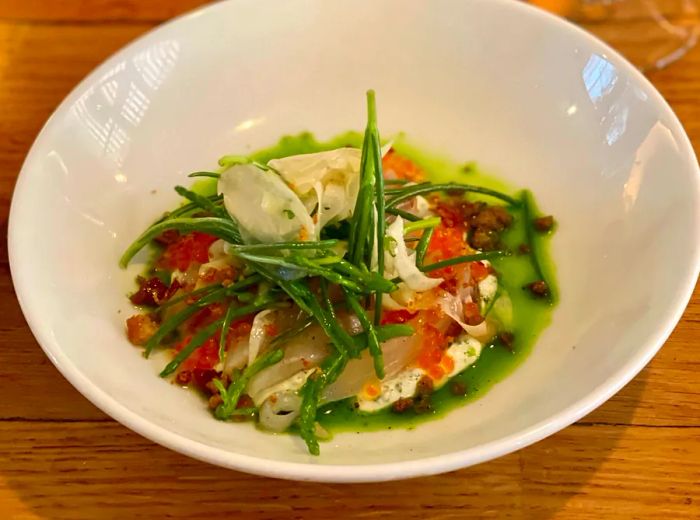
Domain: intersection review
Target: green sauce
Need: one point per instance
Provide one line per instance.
(529, 315)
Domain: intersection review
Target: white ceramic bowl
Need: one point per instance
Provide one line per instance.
(532, 98)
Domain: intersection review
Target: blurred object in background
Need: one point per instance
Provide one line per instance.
(650, 33)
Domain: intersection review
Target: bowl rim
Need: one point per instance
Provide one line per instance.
(347, 473)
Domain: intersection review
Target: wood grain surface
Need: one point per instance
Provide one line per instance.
(636, 457)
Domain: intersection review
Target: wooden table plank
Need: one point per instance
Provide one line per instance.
(58, 11)
(100, 11)
(638, 456)
(626, 470)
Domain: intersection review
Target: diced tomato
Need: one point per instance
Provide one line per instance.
(396, 166)
(398, 316)
(193, 247)
(479, 271)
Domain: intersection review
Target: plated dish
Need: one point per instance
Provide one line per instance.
(575, 123)
(329, 286)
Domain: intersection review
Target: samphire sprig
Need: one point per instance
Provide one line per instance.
(366, 242)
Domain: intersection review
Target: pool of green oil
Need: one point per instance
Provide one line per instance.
(529, 315)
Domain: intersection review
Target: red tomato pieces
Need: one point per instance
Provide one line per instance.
(446, 243)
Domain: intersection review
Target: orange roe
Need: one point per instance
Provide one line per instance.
(204, 357)
(189, 248)
(447, 363)
(371, 390)
(396, 166)
(431, 353)
(479, 271)
(398, 316)
(446, 243)
(436, 372)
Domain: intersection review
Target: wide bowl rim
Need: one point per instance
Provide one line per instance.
(345, 473)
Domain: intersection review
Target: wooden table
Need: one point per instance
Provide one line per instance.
(638, 456)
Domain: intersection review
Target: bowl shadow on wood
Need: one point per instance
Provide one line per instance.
(100, 469)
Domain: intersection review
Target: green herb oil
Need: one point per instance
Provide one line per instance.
(529, 314)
